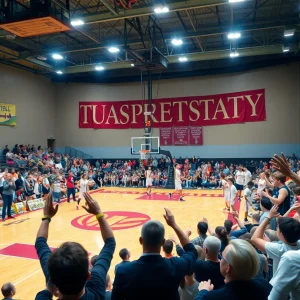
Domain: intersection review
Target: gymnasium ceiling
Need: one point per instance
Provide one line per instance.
(203, 26)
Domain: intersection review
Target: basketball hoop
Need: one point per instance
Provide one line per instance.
(143, 153)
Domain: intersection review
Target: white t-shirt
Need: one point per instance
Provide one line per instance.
(56, 187)
(287, 278)
(83, 184)
(248, 194)
(240, 177)
(148, 174)
(248, 176)
(261, 185)
(275, 250)
(177, 175)
(232, 193)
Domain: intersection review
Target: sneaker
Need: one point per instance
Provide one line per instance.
(11, 217)
(170, 195)
(246, 220)
(68, 201)
(181, 199)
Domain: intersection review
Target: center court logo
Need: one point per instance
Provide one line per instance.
(118, 220)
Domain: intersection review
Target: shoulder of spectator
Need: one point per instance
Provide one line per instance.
(203, 294)
(43, 295)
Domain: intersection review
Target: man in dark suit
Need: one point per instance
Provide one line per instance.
(152, 276)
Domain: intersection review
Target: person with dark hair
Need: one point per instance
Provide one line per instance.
(125, 256)
(281, 193)
(152, 276)
(248, 192)
(67, 268)
(202, 228)
(235, 233)
(188, 288)
(288, 231)
(210, 268)
(168, 248)
(8, 290)
(232, 193)
(71, 187)
(255, 222)
(266, 206)
(222, 235)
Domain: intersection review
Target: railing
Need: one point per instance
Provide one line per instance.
(76, 153)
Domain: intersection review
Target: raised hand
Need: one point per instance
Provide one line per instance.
(49, 209)
(188, 232)
(273, 212)
(206, 285)
(281, 164)
(169, 218)
(92, 205)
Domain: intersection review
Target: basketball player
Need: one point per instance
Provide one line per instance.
(225, 188)
(83, 187)
(149, 176)
(240, 181)
(178, 186)
(232, 193)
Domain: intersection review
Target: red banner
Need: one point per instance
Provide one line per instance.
(166, 136)
(181, 136)
(196, 137)
(231, 108)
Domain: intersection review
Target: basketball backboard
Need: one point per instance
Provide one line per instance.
(145, 143)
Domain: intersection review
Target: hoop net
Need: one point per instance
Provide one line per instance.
(143, 153)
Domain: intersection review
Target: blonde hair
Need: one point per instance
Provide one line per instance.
(243, 259)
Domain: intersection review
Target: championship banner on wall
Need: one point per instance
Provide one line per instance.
(166, 136)
(181, 136)
(8, 114)
(196, 136)
(222, 109)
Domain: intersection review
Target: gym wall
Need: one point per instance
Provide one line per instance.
(34, 97)
(280, 132)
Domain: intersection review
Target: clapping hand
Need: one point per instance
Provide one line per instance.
(206, 285)
(273, 212)
(169, 218)
(205, 220)
(296, 206)
(92, 205)
(49, 209)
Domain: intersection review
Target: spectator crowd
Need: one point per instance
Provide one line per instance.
(235, 260)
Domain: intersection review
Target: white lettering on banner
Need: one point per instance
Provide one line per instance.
(235, 105)
(222, 110)
(94, 114)
(124, 114)
(253, 105)
(134, 113)
(114, 115)
(206, 102)
(180, 109)
(194, 110)
(85, 107)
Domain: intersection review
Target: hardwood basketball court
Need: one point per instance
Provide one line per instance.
(126, 210)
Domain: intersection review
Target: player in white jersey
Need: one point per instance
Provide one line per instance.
(232, 193)
(240, 181)
(149, 177)
(83, 187)
(178, 186)
(225, 188)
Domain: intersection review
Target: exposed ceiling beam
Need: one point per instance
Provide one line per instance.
(203, 32)
(148, 10)
(192, 57)
(109, 7)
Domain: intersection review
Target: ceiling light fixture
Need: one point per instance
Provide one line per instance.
(161, 9)
(77, 22)
(289, 32)
(59, 72)
(57, 56)
(234, 53)
(132, 65)
(234, 35)
(177, 42)
(286, 49)
(235, 1)
(99, 68)
(113, 49)
(182, 58)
